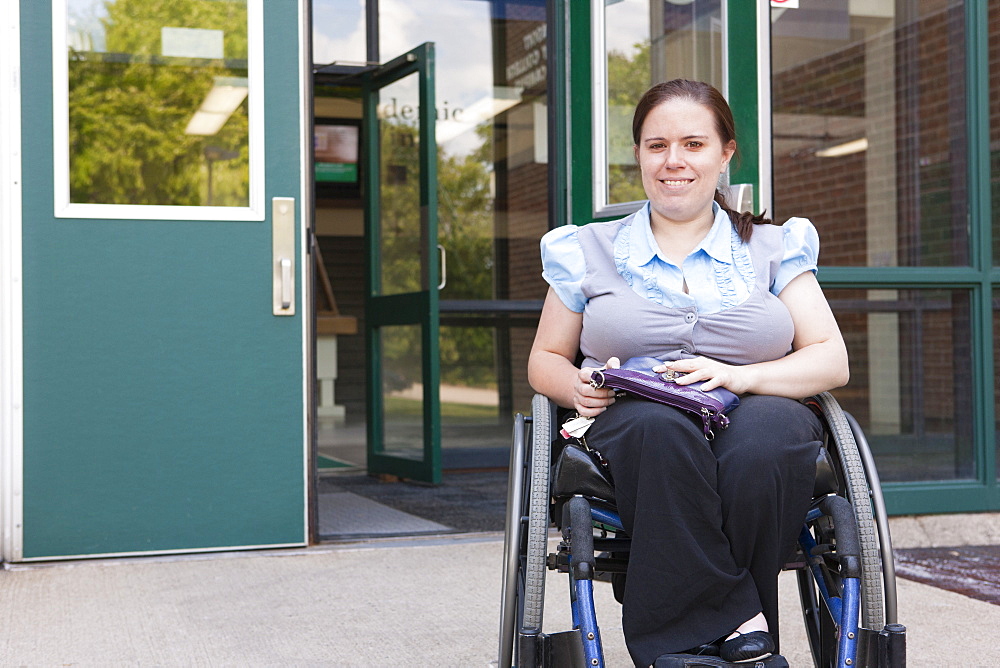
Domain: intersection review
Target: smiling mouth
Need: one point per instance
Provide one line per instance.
(675, 182)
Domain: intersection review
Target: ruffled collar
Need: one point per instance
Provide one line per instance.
(717, 243)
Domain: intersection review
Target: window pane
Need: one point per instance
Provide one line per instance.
(870, 129)
(994, 69)
(483, 384)
(911, 379)
(402, 391)
(339, 33)
(401, 245)
(158, 102)
(648, 41)
(996, 373)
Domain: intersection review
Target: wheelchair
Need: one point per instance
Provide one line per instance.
(844, 561)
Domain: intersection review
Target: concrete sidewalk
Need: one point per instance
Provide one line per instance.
(427, 602)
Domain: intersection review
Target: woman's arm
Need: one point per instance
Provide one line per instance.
(551, 370)
(818, 361)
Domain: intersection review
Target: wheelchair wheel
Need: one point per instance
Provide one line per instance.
(526, 535)
(859, 494)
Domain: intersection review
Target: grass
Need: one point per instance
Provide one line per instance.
(397, 406)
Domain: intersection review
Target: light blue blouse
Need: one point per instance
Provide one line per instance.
(719, 272)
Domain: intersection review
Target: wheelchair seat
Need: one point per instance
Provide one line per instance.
(579, 471)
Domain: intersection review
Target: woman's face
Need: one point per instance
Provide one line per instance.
(681, 156)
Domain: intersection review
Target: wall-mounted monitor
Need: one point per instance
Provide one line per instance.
(336, 150)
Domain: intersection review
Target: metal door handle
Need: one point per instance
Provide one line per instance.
(444, 268)
(283, 256)
(286, 282)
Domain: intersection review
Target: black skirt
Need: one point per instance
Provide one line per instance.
(711, 522)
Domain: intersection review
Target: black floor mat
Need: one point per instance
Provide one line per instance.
(466, 502)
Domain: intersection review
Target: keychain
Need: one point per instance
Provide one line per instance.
(576, 427)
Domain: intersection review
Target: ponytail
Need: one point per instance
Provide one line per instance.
(743, 222)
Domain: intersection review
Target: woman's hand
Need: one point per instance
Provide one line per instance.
(715, 374)
(590, 401)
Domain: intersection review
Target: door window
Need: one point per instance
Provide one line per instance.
(638, 43)
(155, 110)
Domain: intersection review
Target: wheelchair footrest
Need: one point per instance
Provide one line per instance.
(692, 661)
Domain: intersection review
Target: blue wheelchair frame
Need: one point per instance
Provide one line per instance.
(826, 597)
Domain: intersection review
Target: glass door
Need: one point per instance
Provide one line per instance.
(405, 268)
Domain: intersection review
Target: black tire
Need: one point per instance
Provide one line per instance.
(859, 494)
(526, 534)
(538, 513)
(513, 547)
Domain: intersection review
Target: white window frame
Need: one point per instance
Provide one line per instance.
(255, 211)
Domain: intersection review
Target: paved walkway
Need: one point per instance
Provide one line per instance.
(415, 602)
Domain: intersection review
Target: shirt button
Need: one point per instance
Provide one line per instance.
(690, 318)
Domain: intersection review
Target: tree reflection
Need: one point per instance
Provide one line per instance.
(465, 229)
(129, 106)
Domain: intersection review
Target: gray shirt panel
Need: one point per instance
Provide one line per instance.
(617, 322)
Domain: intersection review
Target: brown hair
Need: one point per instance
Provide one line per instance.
(707, 96)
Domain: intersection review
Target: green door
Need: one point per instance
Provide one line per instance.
(404, 268)
(164, 393)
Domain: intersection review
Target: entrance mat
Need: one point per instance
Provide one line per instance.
(466, 502)
(972, 570)
(344, 514)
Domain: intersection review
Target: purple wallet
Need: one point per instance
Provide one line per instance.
(636, 377)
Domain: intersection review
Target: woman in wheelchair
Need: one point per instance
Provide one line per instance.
(723, 297)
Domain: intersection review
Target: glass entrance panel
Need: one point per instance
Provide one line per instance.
(911, 379)
(644, 42)
(402, 256)
(870, 122)
(492, 127)
(402, 392)
(993, 37)
(996, 377)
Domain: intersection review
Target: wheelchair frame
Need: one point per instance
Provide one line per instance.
(844, 564)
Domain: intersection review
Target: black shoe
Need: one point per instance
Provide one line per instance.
(707, 649)
(747, 647)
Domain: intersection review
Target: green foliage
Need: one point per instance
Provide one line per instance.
(628, 79)
(129, 107)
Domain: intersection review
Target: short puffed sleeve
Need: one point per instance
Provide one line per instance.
(801, 244)
(563, 265)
